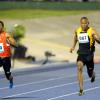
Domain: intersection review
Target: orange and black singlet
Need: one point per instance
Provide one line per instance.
(4, 46)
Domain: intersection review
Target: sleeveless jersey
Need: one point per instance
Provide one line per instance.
(86, 41)
(4, 46)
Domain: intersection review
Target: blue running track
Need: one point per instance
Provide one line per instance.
(57, 82)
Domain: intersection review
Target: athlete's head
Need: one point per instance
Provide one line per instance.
(1, 25)
(84, 23)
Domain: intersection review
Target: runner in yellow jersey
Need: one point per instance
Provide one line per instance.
(86, 37)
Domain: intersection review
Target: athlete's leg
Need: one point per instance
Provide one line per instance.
(93, 77)
(7, 67)
(90, 70)
(1, 63)
(80, 75)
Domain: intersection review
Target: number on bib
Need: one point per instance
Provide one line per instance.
(83, 38)
(1, 47)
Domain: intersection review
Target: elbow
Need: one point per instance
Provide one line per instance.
(98, 41)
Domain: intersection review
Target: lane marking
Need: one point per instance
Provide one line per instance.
(24, 93)
(38, 82)
(70, 94)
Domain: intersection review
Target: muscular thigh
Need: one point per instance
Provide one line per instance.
(6, 63)
(86, 59)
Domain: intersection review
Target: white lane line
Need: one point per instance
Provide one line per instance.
(45, 89)
(70, 94)
(38, 82)
(40, 90)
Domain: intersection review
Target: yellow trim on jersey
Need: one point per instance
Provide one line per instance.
(90, 36)
(79, 30)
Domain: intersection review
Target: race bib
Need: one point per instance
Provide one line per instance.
(83, 38)
(1, 47)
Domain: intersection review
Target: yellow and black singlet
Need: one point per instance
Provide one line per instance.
(86, 41)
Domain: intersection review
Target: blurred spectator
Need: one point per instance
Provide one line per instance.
(85, 0)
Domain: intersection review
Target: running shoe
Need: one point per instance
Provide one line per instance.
(81, 93)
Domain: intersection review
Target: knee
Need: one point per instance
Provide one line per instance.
(8, 74)
(80, 69)
(80, 66)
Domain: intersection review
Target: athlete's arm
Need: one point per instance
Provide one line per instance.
(11, 40)
(96, 36)
(74, 42)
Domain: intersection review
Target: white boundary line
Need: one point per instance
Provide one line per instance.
(87, 90)
(38, 82)
(46, 89)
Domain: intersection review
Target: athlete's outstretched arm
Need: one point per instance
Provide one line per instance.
(74, 42)
(11, 40)
(96, 37)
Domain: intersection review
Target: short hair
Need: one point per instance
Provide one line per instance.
(84, 18)
(2, 23)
